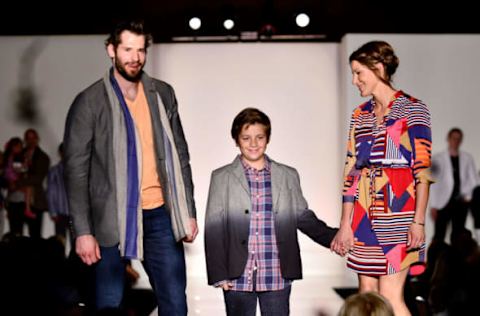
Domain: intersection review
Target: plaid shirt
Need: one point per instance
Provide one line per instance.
(262, 243)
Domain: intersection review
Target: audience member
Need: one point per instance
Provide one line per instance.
(16, 198)
(454, 284)
(35, 279)
(2, 199)
(37, 164)
(366, 304)
(475, 209)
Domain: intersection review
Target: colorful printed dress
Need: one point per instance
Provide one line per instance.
(384, 163)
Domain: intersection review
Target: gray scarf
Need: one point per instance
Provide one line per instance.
(176, 189)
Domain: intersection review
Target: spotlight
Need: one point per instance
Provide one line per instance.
(195, 23)
(228, 24)
(302, 20)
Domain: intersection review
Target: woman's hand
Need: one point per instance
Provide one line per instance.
(343, 241)
(416, 236)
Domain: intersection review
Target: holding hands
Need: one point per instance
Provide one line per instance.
(343, 240)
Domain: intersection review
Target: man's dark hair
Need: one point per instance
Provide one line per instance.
(455, 130)
(30, 130)
(134, 26)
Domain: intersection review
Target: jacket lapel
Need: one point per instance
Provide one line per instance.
(239, 173)
(277, 180)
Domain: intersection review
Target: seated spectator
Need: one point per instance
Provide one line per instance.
(18, 200)
(453, 286)
(475, 209)
(366, 304)
(34, 279)
(2, 186)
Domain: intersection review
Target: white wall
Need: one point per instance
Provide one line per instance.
(57, 68)
(64, 65)
(295, 84)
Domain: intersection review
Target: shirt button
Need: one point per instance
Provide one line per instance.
(253, 251)
(256, 233)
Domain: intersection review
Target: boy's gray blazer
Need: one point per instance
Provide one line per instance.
(228, 214)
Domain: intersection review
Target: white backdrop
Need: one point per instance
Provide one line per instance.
(293, 84)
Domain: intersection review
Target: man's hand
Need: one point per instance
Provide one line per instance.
(87, 249)
(193, 229)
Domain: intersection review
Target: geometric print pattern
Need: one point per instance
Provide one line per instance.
(384, 163)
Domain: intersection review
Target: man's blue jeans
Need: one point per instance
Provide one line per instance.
(164, 262)
(109, 278)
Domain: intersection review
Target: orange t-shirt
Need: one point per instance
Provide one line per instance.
(151, 194)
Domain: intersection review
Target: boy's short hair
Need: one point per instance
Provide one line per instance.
(247, 117)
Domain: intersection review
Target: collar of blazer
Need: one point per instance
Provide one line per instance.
(277, 173)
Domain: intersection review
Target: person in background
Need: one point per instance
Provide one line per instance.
(37, 164)
(255, 206)
(16, 198)
(386, 179)
(475, 209)
(2, 198)
(455, 179)
(128, 176)
(57, 197)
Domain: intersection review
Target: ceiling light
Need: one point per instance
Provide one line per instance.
(302, 20)
(195, 23)
(228, 24)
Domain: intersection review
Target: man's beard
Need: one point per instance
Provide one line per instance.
(121, 70)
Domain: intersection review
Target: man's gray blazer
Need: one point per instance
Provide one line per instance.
(89, 161)
(228, 220)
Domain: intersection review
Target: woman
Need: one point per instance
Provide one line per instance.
(18, 198)
(386, 179)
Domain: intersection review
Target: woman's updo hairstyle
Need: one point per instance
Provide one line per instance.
(371, 53)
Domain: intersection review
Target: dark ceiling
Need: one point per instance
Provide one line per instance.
(169, 19)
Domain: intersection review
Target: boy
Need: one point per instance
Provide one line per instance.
(254, 208)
